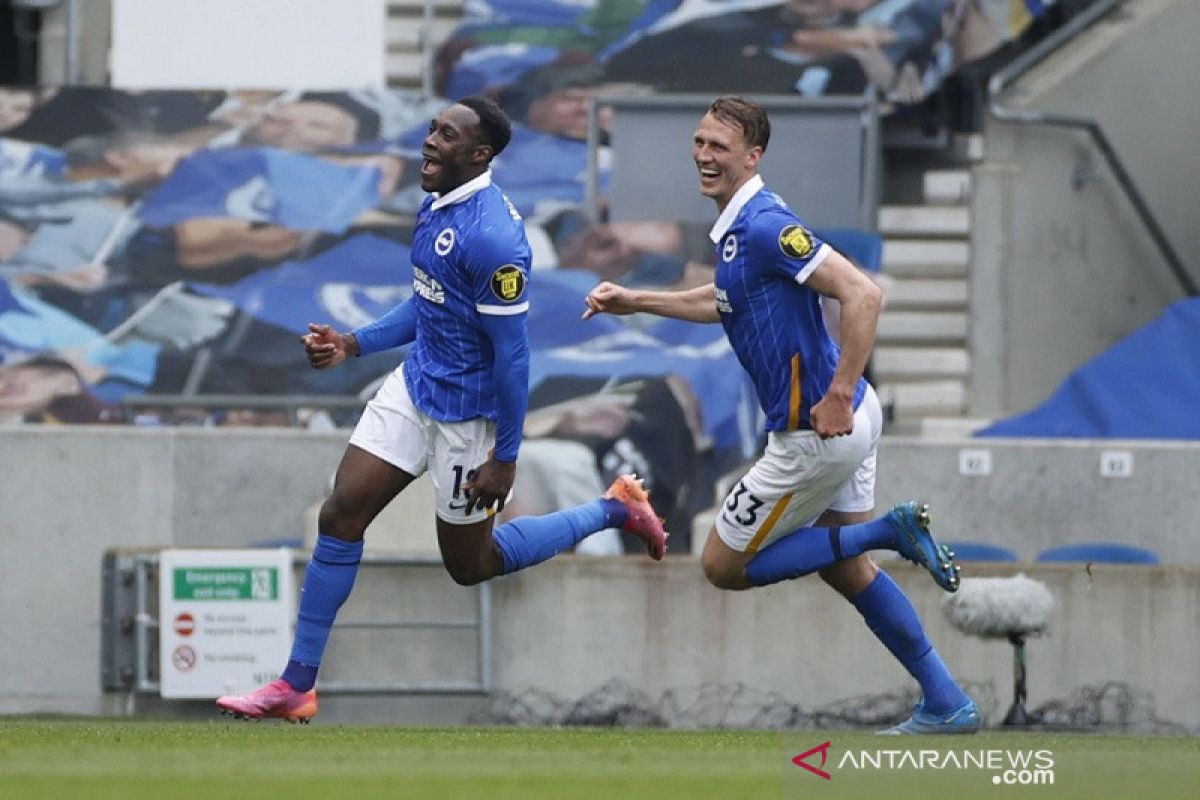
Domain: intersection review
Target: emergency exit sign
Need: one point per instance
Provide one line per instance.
(225, 620)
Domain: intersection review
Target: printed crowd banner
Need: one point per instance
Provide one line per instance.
(263, 185)
(347, 286)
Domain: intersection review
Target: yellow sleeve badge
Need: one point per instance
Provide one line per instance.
(795, 242)
(508, 282)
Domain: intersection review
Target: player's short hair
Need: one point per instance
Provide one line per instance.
(747, 115)
(494, 128)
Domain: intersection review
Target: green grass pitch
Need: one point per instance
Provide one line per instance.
(102, 758)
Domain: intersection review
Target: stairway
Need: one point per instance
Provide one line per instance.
(921, 363)
(406, 36)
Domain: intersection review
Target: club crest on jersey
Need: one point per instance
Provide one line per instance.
(508, 282)
(796, 242)
(444, 242)
(729, 249)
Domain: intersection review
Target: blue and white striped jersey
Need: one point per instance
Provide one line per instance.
(773, 320)
(470, 257)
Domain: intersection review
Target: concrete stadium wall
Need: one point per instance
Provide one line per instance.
(1061, 266)
(70, 494)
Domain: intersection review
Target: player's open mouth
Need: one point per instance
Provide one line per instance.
(430, 166)
(709, 175)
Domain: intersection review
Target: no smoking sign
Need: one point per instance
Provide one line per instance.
(183, 658)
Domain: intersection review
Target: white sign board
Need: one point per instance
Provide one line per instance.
(224, 620)
(248, 44)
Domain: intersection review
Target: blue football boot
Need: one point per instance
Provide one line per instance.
(914, 542)
(962, 720)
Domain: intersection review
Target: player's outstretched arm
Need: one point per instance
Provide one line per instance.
(326, 347)
(693, 305)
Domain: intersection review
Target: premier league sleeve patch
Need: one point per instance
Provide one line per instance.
(795, 242)
(508, 282)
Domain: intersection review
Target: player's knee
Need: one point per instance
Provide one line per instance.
(468, 573)
(721, 575)
(338, 518)
(851, 577)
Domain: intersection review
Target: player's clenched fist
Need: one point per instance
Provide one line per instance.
(325, 347)
(608, 298)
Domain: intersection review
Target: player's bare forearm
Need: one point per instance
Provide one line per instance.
(692, 305)
(860, 300)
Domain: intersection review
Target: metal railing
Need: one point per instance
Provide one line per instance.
(1002, 81)
(290, 404)
(129, 626)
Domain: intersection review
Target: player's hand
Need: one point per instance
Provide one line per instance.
(491, 485)
(325, 347)
(832, 416)
(608, 298)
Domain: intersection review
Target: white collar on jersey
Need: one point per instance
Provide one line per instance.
(461, 193)
(743, 195)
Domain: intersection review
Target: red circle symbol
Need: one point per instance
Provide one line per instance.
(184, 624)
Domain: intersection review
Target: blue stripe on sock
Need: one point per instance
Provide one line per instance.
(328, 580)
(798, 553)
(878, 534)
(891, 616)
(526, 541)
(806, 550)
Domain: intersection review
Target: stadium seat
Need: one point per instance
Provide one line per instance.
(978, 551)
(1099, 552)
(864, 248)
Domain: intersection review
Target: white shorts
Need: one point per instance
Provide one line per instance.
(799, 477)
(393, 429)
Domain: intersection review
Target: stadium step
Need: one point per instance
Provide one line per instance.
(921, 363)
(922, 327)
(913, 400)
(925, 220)
(947, 186)
(405, 33)
(926, 294)
(951, 428)
(926, 258)
(408, 37)
(913, 363)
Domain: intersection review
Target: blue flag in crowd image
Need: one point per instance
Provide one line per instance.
(1143, 387)
(264, 184)
(25, 158)
(493, 65)
(346, 286)
(526, 12)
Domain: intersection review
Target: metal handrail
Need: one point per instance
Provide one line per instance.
(1003, 80)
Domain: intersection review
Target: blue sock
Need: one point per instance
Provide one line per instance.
(327, 583)
(526, 541)
(807, 550)
(891, 617)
